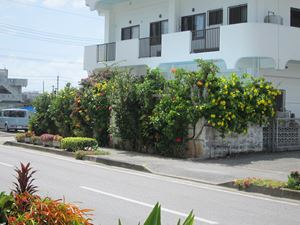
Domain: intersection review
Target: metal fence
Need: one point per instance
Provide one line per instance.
(106, 52)
(150, 47)
(282, 135)
(206, 40)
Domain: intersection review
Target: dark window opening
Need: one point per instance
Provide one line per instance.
(196, 24)
(238, 14)
(215, 17)
(3, 90)
(157, 29)
(295, 17)
(130, 32)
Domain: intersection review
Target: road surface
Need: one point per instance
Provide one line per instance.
(129, 195)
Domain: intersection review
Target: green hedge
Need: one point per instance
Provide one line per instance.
(77, 143)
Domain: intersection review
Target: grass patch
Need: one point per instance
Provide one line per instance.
(247, 182)
(81, 154)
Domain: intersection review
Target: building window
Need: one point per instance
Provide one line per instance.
(130, 32)
(238, 14)
(215, 17)
(295, 17)
(157, 29)
(193, 23)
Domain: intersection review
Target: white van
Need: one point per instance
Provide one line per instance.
(14, 119)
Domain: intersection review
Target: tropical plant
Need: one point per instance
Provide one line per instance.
(6, 205)
(61, 108)
(294, 180)
(155, 217)
(25, 180)
(32, 209)
(42, 121)
(126, 109)
(77, 143)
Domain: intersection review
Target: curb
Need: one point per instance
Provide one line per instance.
(39, 148)
(281, 193)
(97, 159)
(117, 163)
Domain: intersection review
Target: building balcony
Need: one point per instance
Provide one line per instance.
(229, 43)
(10, 98)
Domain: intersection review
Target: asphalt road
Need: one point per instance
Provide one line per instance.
(118, 193)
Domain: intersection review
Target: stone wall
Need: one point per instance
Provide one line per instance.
(210, 144)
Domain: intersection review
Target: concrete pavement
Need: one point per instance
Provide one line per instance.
(119, 193)
(272, 166)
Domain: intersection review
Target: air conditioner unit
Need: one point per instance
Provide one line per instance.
(274, 19)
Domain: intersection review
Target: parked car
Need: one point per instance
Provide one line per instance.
(14, 119)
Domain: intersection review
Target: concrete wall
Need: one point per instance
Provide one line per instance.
(210, 144)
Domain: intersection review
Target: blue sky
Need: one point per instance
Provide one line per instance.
(40, 39)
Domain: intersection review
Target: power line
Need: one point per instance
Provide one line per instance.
(54, 10)
(39, 59)
(45, 33)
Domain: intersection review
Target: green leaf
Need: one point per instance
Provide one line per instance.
(154, 217)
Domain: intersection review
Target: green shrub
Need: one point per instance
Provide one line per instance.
(20, 137)
(294, 180)
(77, 143)
(6, 205)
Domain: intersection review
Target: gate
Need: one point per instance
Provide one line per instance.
(283, 134)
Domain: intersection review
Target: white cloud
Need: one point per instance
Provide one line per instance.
(61, 3)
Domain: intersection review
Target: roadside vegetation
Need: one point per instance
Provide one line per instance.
(152, 114)
(293, 182)
(24, 207)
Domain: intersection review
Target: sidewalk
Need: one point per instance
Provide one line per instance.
(269, 165)
(264, 165)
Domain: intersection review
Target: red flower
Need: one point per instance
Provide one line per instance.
(178, 140)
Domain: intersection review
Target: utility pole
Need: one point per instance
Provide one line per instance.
(57, 85)
(53, 89)
(43, 86)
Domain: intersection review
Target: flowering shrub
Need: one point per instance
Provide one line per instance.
(248, 182)
(29, 134)
(228, 104)
(91, 109)
(47, 137)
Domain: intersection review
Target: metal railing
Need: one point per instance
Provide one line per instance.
(106, 52)
(206, 40)
(150, 47)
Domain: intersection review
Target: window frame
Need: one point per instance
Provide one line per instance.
(208, 17)
(237, 6)
(130, 27)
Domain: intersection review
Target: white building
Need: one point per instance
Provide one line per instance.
(10, 90)
(261, 37)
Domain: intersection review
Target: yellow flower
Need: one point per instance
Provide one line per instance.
(213, 116)
(233, 116)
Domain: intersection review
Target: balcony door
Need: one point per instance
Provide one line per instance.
(196, 24)
(157, 29)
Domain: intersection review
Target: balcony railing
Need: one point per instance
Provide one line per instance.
(206, 40)
(106, 52)
(150, 47)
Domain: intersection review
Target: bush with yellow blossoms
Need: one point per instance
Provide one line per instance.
(228, 104)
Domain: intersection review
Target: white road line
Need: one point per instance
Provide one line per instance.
(5, 164)
(146, 204)
(167, 179)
